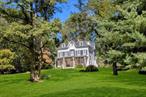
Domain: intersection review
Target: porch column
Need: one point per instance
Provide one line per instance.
(85, 62)
(55, 62)
(73, 61)
(64, 63)
(88, 59)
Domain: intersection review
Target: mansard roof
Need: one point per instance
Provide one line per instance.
(77, 44)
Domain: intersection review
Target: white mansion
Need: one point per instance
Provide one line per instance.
(76, 53)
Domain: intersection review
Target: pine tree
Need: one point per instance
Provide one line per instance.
(121, 36)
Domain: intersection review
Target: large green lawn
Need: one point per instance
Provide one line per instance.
(72, 83)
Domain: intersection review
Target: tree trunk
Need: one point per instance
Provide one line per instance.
(36, 48)
(35, 68)
(35, 72)
(115, 71)
(34, 76)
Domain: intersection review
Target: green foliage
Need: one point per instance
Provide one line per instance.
(79, 27)
(47, 66)
(141, 59)
(21, 9)
(115, 56)
(6, 59)
(91, 68)
(129, 60)
(143, 27)
(104, 8)
(119, 26)
(122, 35)
(79, 66)
(28, 31)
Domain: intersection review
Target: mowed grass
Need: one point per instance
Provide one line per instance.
(72, 83)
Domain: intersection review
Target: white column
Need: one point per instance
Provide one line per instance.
(64, 64)
(88, 59)
(55, 62)
(85, 62)
(73, 61)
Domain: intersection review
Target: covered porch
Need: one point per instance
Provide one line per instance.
(71, 62)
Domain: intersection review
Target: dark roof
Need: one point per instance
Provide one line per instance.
(78, 44)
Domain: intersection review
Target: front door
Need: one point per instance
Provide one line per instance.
(69, 62)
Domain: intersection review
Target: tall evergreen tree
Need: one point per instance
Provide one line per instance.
(121, 32)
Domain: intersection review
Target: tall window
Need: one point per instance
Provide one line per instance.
(85, 52)
(81, 52)
(81, 43)
(58, 54)
(68, 54)
(72, 53)
(63, 54)
(78, 52)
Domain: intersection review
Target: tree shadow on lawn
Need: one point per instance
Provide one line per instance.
(99, 92)
(55, 75)
(62, 75)
(129, 80)
(12, 79)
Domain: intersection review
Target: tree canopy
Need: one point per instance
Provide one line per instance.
(27, 26)
(118, 28)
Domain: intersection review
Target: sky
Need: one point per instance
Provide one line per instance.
(67, 9)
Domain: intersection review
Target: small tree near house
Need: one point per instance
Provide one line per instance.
(6, 58)
(115, 57)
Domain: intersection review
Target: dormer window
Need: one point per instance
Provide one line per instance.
(63, 45)
(71, 43)
(81, 43)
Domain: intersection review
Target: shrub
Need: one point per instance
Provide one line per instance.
(143, 71)
(6, 60)
(79, 66)
(91, 68)
(50, 67)
(123, 68)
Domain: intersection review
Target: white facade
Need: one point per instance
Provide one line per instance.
(76, 53)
